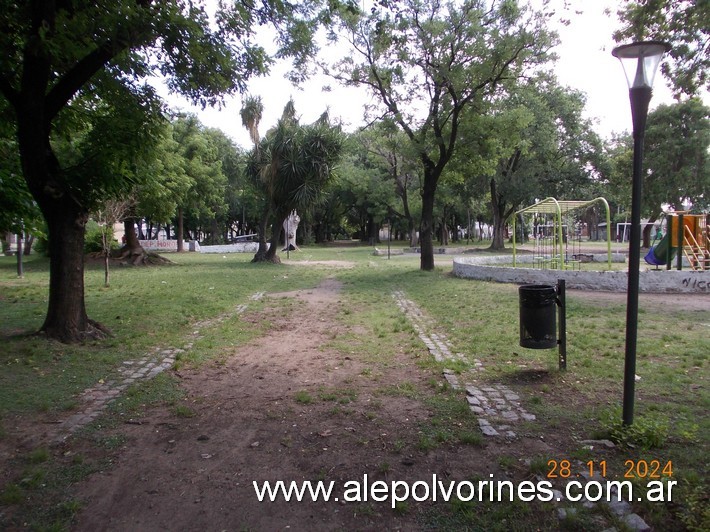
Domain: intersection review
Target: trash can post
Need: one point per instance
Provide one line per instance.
(563, 324)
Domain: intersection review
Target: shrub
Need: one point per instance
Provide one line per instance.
(648, 431)
(93, 241)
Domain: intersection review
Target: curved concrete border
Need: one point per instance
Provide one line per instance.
(672, 281)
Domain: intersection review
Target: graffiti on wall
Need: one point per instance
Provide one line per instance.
(701, 285)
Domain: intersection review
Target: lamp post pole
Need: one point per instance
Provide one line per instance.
(640, 98)
(643, 59)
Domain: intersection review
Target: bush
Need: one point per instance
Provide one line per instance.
(648, 431)
(93, 241)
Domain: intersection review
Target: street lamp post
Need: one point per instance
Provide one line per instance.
(640, 61)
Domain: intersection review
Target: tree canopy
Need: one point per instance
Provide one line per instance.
(428, 63)
(64, 63)
(682, 23)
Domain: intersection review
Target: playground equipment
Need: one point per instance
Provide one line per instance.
(688, 233)
(553, 237)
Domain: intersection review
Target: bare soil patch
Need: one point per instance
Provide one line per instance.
(329, 263)
(191, 473)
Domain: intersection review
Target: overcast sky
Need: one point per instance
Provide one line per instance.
(585, 63)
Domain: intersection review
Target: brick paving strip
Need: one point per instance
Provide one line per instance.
(96, 399)
(498, 408)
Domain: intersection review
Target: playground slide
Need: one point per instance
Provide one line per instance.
(656, 256)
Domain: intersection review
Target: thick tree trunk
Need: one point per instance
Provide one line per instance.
(132, 251)
(106, 244)
(214, 232)
(498, 241)
(498, 238)
(20, 268)
(373, 235)
(66, 319)
(276, 230)
(29, 240)
(647, 230)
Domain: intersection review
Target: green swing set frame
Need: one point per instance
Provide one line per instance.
(557, 208)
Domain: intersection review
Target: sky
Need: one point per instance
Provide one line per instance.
(585, 63)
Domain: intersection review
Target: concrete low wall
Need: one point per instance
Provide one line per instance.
(163, 245)
(673, 281)
(242, 247)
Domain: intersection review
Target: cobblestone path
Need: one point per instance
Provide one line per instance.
(95, 400)
(497, 407)
(498, 410)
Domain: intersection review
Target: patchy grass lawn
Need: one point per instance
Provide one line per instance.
(157, 306)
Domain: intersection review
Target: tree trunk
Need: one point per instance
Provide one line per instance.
(647, 230)
(498, 240)
(180, 229)
(132, 251)
(260, 255)
(276, 230)
(20, 271)
(66, 319)
(29, 240)
(426, 228)
(214, 236)
(412, 232)
(106, 244)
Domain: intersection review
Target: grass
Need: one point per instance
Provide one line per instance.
(159, 307)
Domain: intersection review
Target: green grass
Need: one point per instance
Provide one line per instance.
(159, 307)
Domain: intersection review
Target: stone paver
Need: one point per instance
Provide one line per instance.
(96, 399)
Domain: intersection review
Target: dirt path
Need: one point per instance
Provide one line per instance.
(196, 473)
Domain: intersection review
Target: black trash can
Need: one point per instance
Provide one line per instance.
(538, 324)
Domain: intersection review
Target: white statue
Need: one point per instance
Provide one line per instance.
(290, 225)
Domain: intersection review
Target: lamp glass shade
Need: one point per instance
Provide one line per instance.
(640, 61)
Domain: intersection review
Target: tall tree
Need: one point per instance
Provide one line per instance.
(56, 55)
(427, 63)
(364, 186)
(684, 24)
(677, 160)
(251, 113)
(391, 146)
(546, 149)
(204, 200)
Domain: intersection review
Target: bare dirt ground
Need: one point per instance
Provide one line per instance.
(177, 473)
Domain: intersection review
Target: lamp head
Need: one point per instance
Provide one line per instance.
(640, 61)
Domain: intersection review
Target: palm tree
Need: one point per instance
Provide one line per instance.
(251, 113)
(293, 164)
